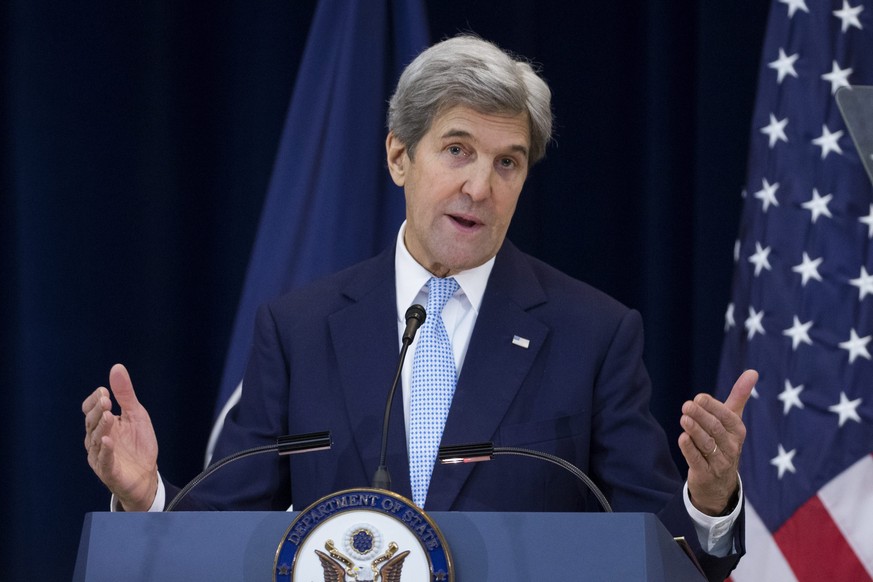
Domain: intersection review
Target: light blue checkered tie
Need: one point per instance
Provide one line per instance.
(433, 385)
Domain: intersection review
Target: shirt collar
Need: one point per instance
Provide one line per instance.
(411, 278)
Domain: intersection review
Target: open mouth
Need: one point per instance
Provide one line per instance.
(464, 222)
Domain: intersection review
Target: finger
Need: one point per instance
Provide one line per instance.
(94, 448)
(702, 438)
(693, 457)
(92, 416)
(104, 427)
(728, 415)
(122, 389)
(715, 416)
(93, 398)
(724, 428)
(741, 391)
(92, 424)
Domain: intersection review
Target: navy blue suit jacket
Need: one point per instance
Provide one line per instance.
(324, 356)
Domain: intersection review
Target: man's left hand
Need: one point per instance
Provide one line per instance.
(711, 444)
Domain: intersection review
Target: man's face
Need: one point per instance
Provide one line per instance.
(462, 187)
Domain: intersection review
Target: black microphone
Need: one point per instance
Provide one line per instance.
(285, 445)
(473, 453)
(415, 316)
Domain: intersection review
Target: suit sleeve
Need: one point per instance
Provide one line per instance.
(630, 453)
(260, 482)
(629, 449)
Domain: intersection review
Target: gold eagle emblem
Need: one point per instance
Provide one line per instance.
(339, 568)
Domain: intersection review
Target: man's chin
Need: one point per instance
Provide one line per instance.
(458, 262)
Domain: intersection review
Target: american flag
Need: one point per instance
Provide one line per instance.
(801, 309)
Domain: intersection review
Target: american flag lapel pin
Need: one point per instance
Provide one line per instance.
(521, 341)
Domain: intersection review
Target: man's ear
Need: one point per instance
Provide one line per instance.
(398, 161)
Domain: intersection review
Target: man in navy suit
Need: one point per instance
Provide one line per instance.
(541, 360)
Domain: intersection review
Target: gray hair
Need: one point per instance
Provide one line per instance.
(468, 71)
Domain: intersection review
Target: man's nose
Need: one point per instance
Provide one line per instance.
(477, 184)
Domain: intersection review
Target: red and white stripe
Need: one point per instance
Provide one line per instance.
(828, 538)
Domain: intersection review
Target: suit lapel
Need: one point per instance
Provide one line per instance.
(494, 368)
(364, 335)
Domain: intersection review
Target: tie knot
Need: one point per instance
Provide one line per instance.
(440, 290)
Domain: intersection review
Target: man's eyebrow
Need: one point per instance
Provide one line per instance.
(466, 134)
(456, 133)
(519, 148)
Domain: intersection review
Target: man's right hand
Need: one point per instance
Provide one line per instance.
(122, 450)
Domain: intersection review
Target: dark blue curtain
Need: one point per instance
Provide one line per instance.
(138, 141)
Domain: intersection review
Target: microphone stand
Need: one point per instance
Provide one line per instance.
(476, 452)
(285, 445)
(415, 316)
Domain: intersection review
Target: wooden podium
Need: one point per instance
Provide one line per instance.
(502, 547)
